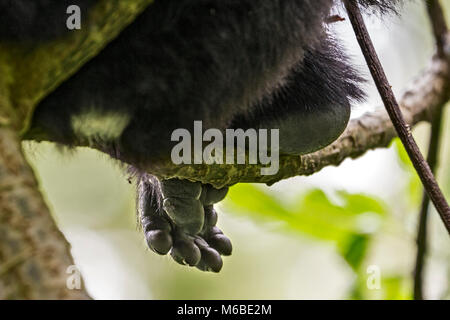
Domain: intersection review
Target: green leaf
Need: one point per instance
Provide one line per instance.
(252, 200)
(359, 204)
(354, 250)
(405, 161)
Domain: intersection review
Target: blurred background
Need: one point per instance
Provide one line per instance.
(317, 237)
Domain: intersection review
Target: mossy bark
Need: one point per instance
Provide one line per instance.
(34, 255)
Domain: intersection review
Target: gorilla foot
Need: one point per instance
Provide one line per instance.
(178, 216)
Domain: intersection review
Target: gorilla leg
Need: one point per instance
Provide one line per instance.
(311, 111)
(313, 108)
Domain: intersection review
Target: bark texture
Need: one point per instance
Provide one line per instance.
(34, 255)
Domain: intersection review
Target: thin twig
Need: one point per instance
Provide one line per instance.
(439, 26)
(393, 109)
(432, 160)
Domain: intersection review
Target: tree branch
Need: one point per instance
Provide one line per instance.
(32, 73)
(432, 159)
(34, 255)
(439, 25)
(373, 130)
(393, 109)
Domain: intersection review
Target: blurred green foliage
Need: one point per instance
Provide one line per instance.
(315, 215)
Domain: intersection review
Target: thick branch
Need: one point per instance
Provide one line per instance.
(393, 109)
(34, 255)
(373, 130)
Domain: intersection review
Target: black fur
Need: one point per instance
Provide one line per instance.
(210, 60)
(230, 63)
(315, 97)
